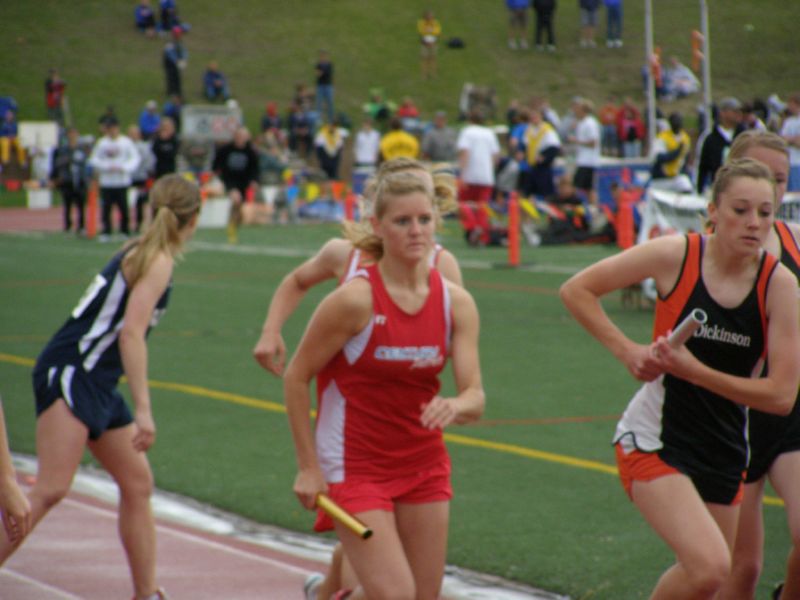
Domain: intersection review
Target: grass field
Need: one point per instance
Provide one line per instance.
(265, 47)
(536, 495)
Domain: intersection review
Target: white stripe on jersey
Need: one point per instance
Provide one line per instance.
(330, 433)
(642, 419)
(448, 317)
(352, 267)
(66, 384)
(101, 346)
(105, 315)
(354, 347)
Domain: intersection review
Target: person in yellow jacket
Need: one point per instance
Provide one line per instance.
(429, 30)
(671, 149)
(398, 143)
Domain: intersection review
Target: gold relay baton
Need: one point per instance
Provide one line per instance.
(335, 511)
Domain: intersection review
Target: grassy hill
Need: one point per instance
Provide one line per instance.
(266, 46)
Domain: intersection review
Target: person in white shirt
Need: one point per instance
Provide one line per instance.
(478, 155)
(114, 158)
(587, 147)
(367, 145)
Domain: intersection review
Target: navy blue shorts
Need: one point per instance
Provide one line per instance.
(770, 436)
(98, 407)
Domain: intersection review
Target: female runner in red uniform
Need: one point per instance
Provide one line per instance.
(681, 444)
(379, 450)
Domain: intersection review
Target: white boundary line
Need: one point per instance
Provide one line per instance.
(6, 572)
(112, 514)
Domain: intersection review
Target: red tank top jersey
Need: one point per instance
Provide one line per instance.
(690, 427)
(368, 424)
(354, 263)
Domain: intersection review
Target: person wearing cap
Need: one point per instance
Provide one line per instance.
(174, 60)
(149, 120)
(714, 147)
(439, 141)
(114, 158)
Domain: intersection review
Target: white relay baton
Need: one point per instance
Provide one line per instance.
(688, 326)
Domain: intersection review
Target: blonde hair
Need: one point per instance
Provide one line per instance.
(387, 186)
(736, 169)
(754, 138)
(175, 201)
(444, 186)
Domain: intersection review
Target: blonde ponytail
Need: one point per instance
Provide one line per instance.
(175, 202)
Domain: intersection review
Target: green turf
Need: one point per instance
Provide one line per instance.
(549, 522)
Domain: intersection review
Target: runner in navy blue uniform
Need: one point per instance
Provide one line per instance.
(774, 440)
(76, 375)
(681, 444)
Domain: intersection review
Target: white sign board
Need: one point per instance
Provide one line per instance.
(210, 122)
(38, 134)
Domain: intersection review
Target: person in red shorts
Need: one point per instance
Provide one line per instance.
(682, 444)
(378, 450)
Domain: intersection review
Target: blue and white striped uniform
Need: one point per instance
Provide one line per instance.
(81, 363)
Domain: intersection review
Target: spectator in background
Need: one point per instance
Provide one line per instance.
(54, 90)
(215, 84)
(518, 23)
(271, 120)
(545, 13)
(409, 115)
(613, 23)
(140, 176)
(609, 143)
(145, 18)
(670, 150)
(679, 81)
(478, 156)
(439, 141)
(429, 30)
(587, 148)
(790, 131)
(367, 145)
(114, 158)
(397, 143)
(174, 60)
(750, 118)
(542, 147)
(630, 129)
(324, 76)
(329, 143)
(172, 109)
(149, 120)
(68, 173)
(378, 108)
(164, 147)
(169, 15)
(299, 127)
(237, 165)
(588, 9)
(9, 139)
(714, 147)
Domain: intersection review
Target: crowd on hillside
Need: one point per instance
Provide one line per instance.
(538, 148)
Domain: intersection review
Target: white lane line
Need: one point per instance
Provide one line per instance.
(6, 572)
(112, 514)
